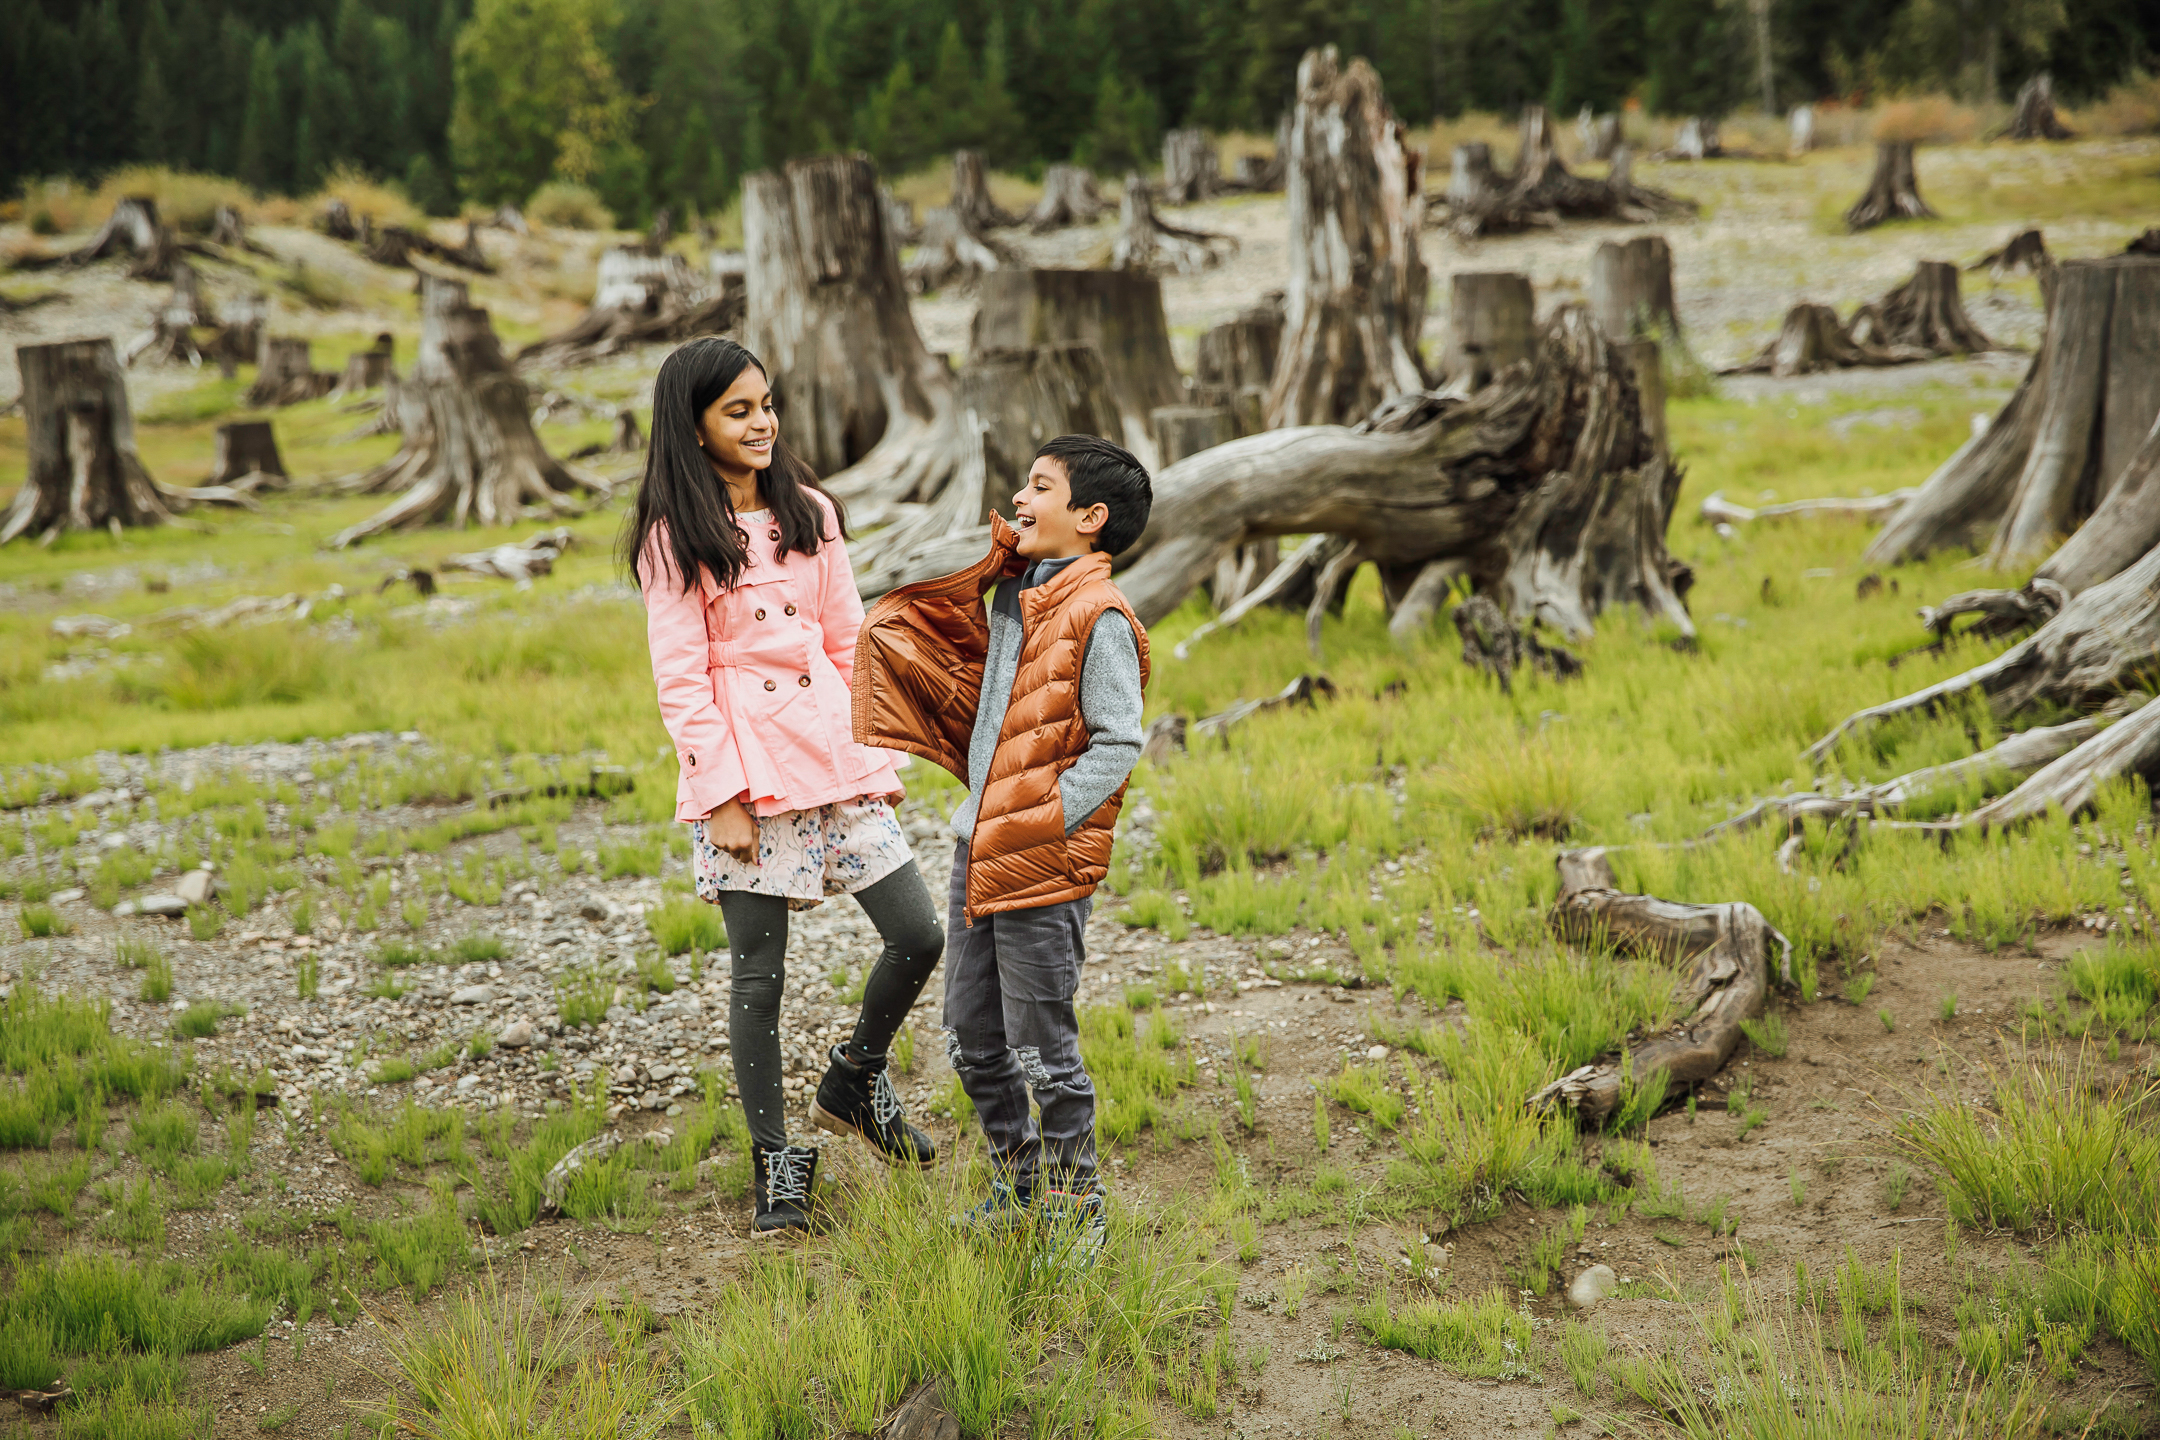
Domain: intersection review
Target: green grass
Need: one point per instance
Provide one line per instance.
(686, 924)
(1485, 1337)
(1138, 1066)
(38, 922)
(201, 1019)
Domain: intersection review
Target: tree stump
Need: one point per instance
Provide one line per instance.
(83, 472)
(1150, 245)
(1645, 362)
(172, 325)
(2027, 251)
(900, 221)
(1192, 167)
(1069, 197)
(954, 251)
(1925, 313)
(639, 298)
(369, 368)
(2034, 116)
(470, 455)
(1118, 313)
(1491, 325)
(1543, 192)
(1697, 140)
(247, 457)
(1631, 289)
(1356, 299)
(1473, 181)
(1237, 363)
(828, 315)
(1182, 430)
(971, 194)
(284, 373)
(2063, 446)
(629, 439)
(1801, 127)
(240, 332)
(229, 230)
(133, 227)
(1894, 193)
(336, 221)
(1600, 134)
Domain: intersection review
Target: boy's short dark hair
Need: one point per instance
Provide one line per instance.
(1101, 473)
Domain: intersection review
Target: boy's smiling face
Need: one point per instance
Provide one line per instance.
(1049, 528)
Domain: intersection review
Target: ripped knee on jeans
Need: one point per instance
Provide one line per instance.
(1031, 1064)
(953, 1057)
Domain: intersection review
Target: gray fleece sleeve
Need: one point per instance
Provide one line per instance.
(1110, 704)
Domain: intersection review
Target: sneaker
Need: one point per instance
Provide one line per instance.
(1008, 1209)
(858, 1099)
(1074, 1226)
(780, 1189)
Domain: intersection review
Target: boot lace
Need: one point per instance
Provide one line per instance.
(787, 1175)
(884, 1101)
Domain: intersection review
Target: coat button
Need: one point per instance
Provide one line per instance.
(802, 680)
(759, 616)
(790, 609)
(772, 534)
(769, 685)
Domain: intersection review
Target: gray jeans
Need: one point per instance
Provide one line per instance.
(1010, 1028)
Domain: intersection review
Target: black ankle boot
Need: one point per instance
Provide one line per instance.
(856, 1097)
(780, 1189)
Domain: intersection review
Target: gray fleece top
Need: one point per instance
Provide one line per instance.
(1110, 704)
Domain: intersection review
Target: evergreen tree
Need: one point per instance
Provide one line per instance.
(998, 122)
(892, 126)
(1697, 57)
(427, 188)
(1127, 127)
(157, 126)
(104, 108)
(536, 97)
(951, 111)
(263, 159)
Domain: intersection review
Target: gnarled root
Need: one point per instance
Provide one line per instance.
(1727, 951)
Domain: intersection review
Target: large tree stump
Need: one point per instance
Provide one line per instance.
(1192, 167)
(1473, 181)
(1631, 289)
(1727, 949)
(1542, 191)
(368, 369)
(1925, 313)
(1492, 317)
(1894, 193)
(84, 472)
(2034, 116)
(1600, 134)
(640, 298)
(247, 457)
(1698, 139)
(1547, 484)
(1069, 197)
(1151, 245)
(133, 227)
(470, 455)
(2027, 251)
(952, 250)
(284, 373)
(1801, 128)
(971, 194)
(1356, 298)
(1118, 313)
(2061, 445)
(171, 335)
(240, 332)
(1182, 430)
(1237, 362)
(828, 315)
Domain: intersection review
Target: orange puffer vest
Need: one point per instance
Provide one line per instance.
(918, 685)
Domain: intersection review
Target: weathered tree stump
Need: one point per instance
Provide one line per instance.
(1894, 193)
(172, 325)
(954, 251)
(285, 375)
(900, 221)
(1600, 134)
(1069, 197)
(247, 457)
(1698, 139)
(1151, 245)
(1728, 950)
(84, 472)
(2060, 448)
(1491, 325)
(2027, 251)
(828, 315)
(922, 1416)
(1631, 289)
(629, 439)
(1542, 191)
(1925, 313)
(229, 229)
(1182, 430)
(1237, 362)
(1800, 125)
(1192, 167)
(367, 369)
(470, 455)
(1117, 313)
(1356, 299)
(336, 221)
(2034, 116)
(971, 194)
(639, 299)
(1490, 642)
(133, 227)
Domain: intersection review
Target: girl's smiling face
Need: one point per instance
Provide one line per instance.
(738, 429)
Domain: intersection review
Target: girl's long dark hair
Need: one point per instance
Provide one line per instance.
(682, 490)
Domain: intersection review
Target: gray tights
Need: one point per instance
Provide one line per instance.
(757, 926)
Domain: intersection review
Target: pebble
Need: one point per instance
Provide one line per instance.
(159, 904)
(68, 896)
(195, 888)
(1594, 1284)
(516, 1035)
(472, 995)
(1376, 1052)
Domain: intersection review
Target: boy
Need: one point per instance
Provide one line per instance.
(1035, 699)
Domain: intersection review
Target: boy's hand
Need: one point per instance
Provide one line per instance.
(733, 830)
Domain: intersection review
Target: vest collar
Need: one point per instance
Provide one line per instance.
(1062, 586)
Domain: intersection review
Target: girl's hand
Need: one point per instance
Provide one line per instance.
(731, 828)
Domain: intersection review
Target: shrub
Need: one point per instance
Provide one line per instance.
(569, 205)
(200, 1020)
(185, 199)
(41, 921)
(364, 197)
(686, 924)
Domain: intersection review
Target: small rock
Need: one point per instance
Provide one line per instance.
(472, 995)
(626, 1074)
(1376, 1052)
(653, 1100)
(593, 910)
(1594, 1284)
(516, 1035)
(67, 896)
(467, 1084)
(674, 1110)
(195, 887)
(659, 1073)
(160, 904)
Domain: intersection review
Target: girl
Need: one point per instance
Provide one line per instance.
(752, 613)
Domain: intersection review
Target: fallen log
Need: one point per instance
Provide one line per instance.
(519, 561)
(1305, 690)
(1717, 510)
(1727, 953)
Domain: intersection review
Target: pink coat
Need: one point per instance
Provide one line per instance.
(754, 681)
